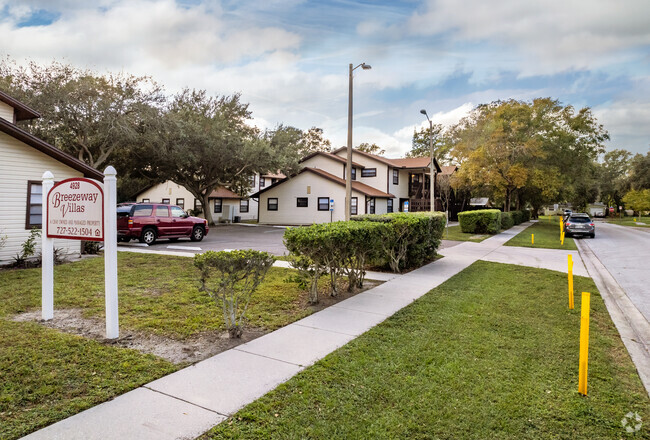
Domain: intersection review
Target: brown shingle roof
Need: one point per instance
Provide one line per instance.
(223, 193)
(449, 169)
(23, 112)
(406, 162)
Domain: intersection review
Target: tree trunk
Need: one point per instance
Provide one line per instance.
(506, 208)
(206, 209)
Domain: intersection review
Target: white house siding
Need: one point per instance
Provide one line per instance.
(326, 164)
(6, 112)
(380, 181)
(287, 193)
(234, 207)
(168, 190)
(20, 163)
(400, 190)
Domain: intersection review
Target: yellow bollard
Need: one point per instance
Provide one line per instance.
(570, 276)
(532, 238)
(584, 344)
(562, 238)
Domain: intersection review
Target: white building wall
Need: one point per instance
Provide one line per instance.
(168, 190)
(234, 209)
(380, 181)
(21, 163)
(7, 112)
(311, 186)
(326, 164)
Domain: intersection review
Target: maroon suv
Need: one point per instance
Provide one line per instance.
(150, 221)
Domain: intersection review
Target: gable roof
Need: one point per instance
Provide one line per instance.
(356, 186)
(22, 112)
(404, 163)
(42, 146)
(449, 169)
(223, 193)
(330, 156)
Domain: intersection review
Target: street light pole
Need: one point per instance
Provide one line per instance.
(348, 168)
(432, 165)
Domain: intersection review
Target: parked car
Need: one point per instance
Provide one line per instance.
(579, 224)
(150, 221)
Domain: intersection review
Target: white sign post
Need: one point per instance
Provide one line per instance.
(78, 209)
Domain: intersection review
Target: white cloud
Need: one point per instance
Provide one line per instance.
(627, 123)
(551, 36)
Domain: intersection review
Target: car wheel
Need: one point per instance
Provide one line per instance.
(197, 233)
(148, 236)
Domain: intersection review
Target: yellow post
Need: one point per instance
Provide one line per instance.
(562, 238)
(584, 343)
(532, 238)
(570, 264)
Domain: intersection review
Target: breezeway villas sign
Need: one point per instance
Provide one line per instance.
(79, 209)
(75, 210)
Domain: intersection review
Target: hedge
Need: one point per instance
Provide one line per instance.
(344, 248)
(508, 219)
(483, 221)
(517, 217)
(407, 240)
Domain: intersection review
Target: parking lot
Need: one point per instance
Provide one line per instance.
(224, 237)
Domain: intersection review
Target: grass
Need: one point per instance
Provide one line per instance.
(629, 221)
(547, 235)
(157, 294)
(46, 375)
(454, 233)
(490, 354)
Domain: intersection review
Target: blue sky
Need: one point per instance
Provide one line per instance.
(289, 58)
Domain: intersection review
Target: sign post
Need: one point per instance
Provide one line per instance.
(78, 209)
(47, 248)
(110, 253)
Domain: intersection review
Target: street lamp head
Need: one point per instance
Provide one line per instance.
(365, 66)
(424, 112)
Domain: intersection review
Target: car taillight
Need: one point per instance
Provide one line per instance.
(567, 224)
(591, 224)
(130, 223)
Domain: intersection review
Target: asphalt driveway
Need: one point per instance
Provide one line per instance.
(224, 237)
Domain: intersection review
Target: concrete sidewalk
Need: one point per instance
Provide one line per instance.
(189, 402)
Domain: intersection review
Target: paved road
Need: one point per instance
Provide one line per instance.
(625, 252)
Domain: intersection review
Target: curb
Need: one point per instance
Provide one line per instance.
(630, 323)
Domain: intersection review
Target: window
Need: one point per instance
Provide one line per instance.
(243, 204)
(142, 210)
(370, 205)
(323, 203)
(272, 204)
(165, 201)
(369, 172)
(177, 212)
(181, 203)
(197, 204)
(218, 206)
(354, 173)
(162, 211)
(145, 200)
(302, 202)
(395, 177)
(34, 216)
(262, 182)
(389, 206)
(353, 206)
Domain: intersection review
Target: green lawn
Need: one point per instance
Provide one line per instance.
(490, 354)
(547, 235)
(629, 221)
(157, 294)
(46, 375)
(454, 233)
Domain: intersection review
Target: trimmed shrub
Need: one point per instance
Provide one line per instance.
(483, 221)
(525, 215)
(407, 240)
(517, 217)
(507, 219)
(230, 278)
